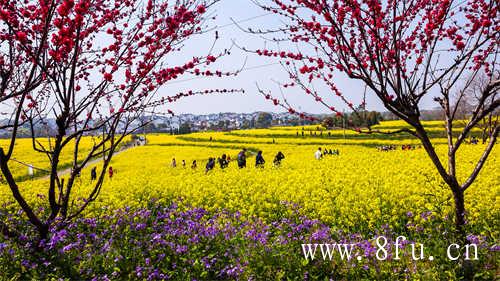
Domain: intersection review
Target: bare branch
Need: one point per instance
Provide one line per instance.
(482, 160)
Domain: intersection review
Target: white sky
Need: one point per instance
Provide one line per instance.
(245, 10)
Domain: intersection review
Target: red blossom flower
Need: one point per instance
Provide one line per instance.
(108, 76)
(201, 9)
(21, 36)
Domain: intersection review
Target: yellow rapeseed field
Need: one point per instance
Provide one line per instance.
(361, 189)
(24, 154)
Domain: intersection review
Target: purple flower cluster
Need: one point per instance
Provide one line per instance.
(178, 242)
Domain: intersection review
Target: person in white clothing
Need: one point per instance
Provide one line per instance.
(318, 154)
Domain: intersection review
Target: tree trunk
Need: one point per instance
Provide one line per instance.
(43, 235)
(466, 267)
(44, 232)
(459, 212)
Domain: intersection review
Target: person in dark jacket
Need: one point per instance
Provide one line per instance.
(277, 159)
(259, 160)
(93, 174)
(223, 161)
(242, 158)
(210, 165)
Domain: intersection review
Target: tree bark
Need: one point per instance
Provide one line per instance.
(458, 195)
(466, 270)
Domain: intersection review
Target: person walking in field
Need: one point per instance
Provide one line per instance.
(194, 165)
(318, 154)
(110, 172)
(277, 159)
(174, 163)
(259, 160)
(223, 161)
(210, 165)
(242, 158)
(78, 175)
(93, 174)
(183, 163)
(30, 170)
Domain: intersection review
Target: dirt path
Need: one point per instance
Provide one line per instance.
(90, 163)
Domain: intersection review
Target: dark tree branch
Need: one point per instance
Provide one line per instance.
(482, 160)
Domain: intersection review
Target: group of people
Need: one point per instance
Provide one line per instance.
(386, 147)
(410, 146)
(473, 140)
(173, 164)
(311, 133)
(93, 173)
(224, 161)
(403, 147)
(259, 159)
(324, 152)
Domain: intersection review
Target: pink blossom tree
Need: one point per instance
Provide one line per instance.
(95, 67)
(402, 51)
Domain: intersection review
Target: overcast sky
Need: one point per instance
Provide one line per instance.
(258, 70)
